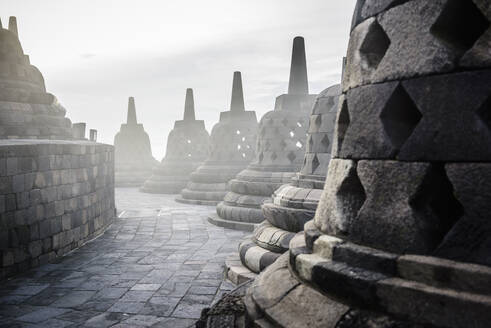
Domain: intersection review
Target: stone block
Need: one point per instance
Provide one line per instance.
(342, 198)
(18, 183)
(12, 166)
(469, 238)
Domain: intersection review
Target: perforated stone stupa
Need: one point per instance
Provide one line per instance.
(294, 203)
(280, 149)
(26, 109)
(402, 233)
(232, 145)
(187, 148)
(133, 155)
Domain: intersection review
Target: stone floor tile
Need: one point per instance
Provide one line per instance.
(148, 287)
(41, 314)
(127, 307)
(106, 319)
(137, 296)
(142, 320)
(74, 298)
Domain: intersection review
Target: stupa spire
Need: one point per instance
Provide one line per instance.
(237, 103)
(189, 106)
(13, 25)
(298, 83)
(131, 118)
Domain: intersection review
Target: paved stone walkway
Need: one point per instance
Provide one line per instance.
(157, 265)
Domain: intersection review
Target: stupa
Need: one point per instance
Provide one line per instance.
(56, 187)
(232, 145)
(281, 145)
(26, 109)
(402, 233)
(133, 155)
(187, 148)
(293, 204)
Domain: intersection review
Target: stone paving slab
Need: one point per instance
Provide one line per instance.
(158, 265)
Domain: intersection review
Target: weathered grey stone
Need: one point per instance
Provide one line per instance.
(232, 147)
(27, 110)
(133, 155)
(281, 144)
(187, 148)
(342, 198)
(469, 238)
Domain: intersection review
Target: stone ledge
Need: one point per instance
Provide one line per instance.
(216, 220)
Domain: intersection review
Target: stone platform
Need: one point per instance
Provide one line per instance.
(159, 264)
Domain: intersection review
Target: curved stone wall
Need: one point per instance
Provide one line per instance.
(54, 196)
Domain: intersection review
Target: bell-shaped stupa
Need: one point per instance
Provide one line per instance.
(27, 111)
(293, 204)
(187, 148)
(133, 155)
(281, 144)
(402, 233)
(232, 145)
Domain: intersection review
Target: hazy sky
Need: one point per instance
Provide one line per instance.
(95, 54)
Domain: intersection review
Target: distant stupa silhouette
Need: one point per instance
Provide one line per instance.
(187, 148)
(27, 110)
(232, 144)
(281, 144)
(133, 154)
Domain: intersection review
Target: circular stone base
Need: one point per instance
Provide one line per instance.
(179, 199)
(239, 214)
(236, 272)
(244, 226)
(254, 257)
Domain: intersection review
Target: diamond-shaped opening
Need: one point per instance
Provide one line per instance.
(311, 143)
(374, 46)
(263, 132)
(292, 134)
(270, 121)
(283, 144)
(325, 141)
(437, 195)
(274, 156)
(460, 24)
(351, 196)
(261, 157)
(291, 156)
(315, 164)
(284, 121)
(267, 145)
(484, 113)
(318, 120)
(343, 123)
(399, 117)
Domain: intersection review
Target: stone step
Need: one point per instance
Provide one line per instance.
(236, 272)
(256, 258)
(244, 226)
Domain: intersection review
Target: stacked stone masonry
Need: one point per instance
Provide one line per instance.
(401, 235)
(232, 147)
(54, 196)
(134, 161)
(280, 147)
(187, 148)
(26, 109)
(295, 203)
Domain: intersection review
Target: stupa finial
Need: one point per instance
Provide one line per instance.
(131, 118)
(13, 25)
(237, 104)
(298, 83)
(189, 106)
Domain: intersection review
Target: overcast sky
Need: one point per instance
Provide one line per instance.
(94, 54)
